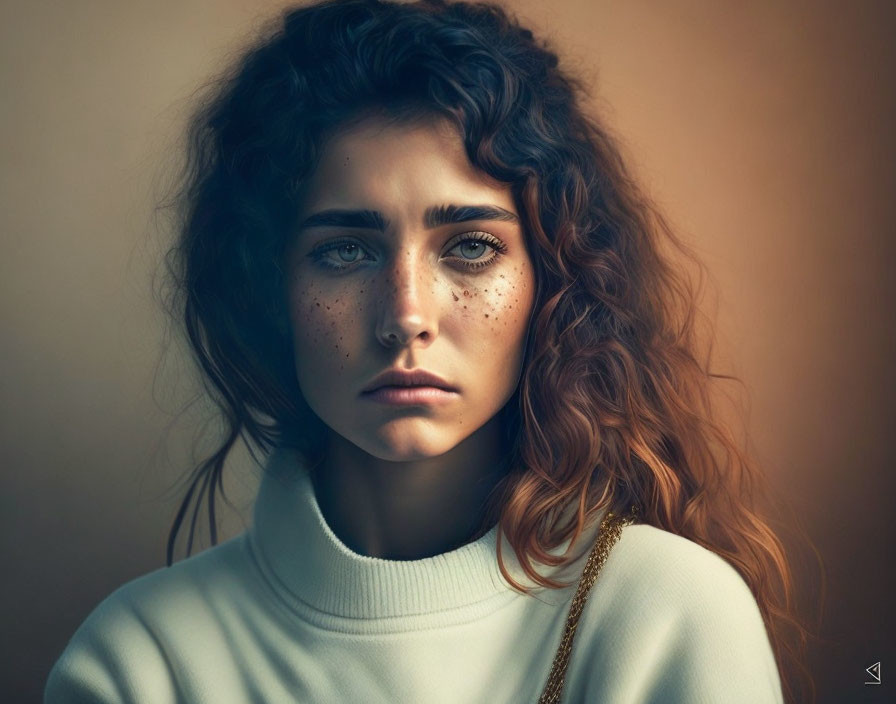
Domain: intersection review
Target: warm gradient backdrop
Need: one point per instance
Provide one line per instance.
(764, 128)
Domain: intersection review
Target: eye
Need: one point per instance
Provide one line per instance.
(348, 252)
(475, 249)
(471, 249)
(340, 254)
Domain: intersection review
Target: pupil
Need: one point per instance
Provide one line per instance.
(348, 252)
(471, 248)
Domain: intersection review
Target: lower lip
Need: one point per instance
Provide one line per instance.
(410, 395)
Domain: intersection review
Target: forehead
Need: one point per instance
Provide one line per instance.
(377, 163)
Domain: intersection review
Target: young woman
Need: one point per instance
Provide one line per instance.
(418, 277)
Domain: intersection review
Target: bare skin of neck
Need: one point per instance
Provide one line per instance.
(408, 510)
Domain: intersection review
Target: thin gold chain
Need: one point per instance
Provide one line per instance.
(609, 532)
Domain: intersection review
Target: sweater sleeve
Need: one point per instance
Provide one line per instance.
(113, 658)
(670, 622)
(718, 649)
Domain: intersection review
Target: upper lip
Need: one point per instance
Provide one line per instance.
(407, 377)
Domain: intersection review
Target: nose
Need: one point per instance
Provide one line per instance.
(408, 315)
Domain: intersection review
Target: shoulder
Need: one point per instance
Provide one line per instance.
(674, 572)
(677, 581)
(124, 646)
(677, 621)
(159, 599)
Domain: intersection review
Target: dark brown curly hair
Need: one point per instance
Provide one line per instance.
(615, 405)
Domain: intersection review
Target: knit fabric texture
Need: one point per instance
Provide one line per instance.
(285, 612)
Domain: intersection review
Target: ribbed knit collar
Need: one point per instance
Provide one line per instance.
(338, 588)
(304, 558)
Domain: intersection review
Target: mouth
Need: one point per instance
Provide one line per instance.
(409, 395)
(409, 387)
(408, 378)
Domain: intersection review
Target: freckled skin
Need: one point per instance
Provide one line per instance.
(398, 304)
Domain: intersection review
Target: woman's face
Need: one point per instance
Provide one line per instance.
(407, 259)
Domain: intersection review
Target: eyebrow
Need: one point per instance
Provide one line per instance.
(433, 217)
(449, 214)
(355, 219)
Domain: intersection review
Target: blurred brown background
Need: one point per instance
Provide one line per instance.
(765, 129)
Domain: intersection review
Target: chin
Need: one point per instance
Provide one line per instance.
(403, 444)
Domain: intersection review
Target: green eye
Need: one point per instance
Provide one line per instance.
(472, 249)
(340, 255)
(475, 249)
(348, 252)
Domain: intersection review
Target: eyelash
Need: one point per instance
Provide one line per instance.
(318, 254)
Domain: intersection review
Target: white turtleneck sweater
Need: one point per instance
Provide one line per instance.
(287, 613)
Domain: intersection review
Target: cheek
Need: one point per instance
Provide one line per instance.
(321, 323)
(514, 295)
(496, 313)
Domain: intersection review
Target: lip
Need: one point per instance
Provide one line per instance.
(409, 387)
(410, 395)
(403, 378)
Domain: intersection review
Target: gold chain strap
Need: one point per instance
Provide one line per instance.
(609, 532)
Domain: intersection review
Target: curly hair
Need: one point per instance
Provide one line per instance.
(615, 321)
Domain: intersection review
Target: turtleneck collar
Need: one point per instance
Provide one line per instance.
(312, 568)
(291, 536)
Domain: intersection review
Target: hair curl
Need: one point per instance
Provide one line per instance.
(615, 322)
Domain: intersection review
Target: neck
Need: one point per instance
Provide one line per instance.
(409, 510)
